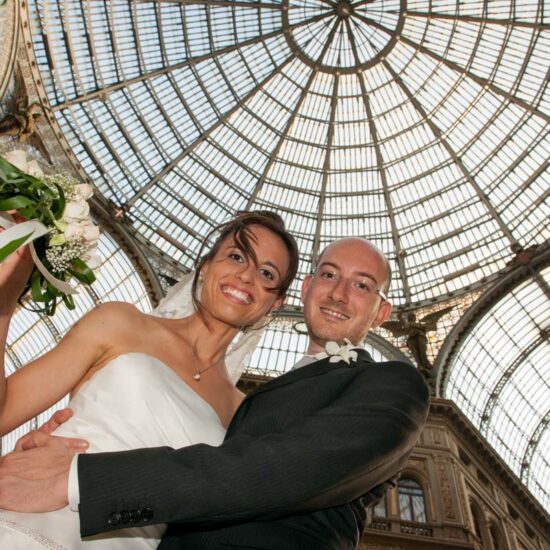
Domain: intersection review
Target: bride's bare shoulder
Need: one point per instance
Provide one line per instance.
(123, 308)
(115, 314)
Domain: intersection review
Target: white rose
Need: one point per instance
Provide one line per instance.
(82, 230)
(74, 230)
(90, 233)
(18, 158)
(33, 168)
(76, 211)
(93, 261)
(89, 252)
(83, 191)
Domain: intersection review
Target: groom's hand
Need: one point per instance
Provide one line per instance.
(36, 480)
(40, 437)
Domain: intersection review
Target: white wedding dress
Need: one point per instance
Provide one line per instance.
(134, 401)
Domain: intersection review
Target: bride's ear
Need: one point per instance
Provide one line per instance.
(203, 271)
(278, 304)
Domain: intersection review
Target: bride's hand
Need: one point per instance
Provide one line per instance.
(15, 271)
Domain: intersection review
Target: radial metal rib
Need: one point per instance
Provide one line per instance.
(484, 199)
(207, 133)
(282, 138)
(399, 252)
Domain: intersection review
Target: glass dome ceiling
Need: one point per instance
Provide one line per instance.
(420, 125)
(500, 377)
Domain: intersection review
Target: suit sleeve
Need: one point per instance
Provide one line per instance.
(356, 442)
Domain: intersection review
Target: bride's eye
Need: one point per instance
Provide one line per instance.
(266, 274)
(236, 256)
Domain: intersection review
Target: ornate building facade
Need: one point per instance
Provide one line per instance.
(456, 493)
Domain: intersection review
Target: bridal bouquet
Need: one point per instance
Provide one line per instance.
(62, 237)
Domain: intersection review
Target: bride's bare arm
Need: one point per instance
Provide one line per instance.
(41, 383)
(14, 273)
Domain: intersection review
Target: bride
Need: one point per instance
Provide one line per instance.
(139, 380)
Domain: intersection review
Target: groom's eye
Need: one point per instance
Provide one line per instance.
(362, 286)
(330, 275)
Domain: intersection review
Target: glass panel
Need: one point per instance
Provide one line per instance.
(425, 131)
(411, 501)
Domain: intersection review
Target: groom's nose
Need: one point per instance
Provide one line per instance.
(339, 292)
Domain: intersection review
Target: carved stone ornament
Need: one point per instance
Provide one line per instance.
(446, 493)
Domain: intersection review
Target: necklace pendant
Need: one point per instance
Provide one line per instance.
(197, 376)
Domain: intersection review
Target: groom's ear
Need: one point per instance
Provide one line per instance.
(383, 314)
(305, 285)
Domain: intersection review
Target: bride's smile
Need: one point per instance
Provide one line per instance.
(237, 295)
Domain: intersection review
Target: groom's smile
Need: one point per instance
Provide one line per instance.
(333, 314)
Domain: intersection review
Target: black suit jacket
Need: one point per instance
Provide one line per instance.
(303, 456)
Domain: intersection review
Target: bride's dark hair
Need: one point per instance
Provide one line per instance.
(238, 228)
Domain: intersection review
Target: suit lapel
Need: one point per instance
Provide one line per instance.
(317, 368)
(312, 370)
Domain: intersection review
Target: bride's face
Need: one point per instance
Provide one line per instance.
(238, 291)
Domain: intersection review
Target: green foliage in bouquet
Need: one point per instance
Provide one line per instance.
(68, 249)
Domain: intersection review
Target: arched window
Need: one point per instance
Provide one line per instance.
(412, 506)
(379, 510)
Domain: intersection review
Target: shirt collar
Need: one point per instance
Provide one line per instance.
(307, 359)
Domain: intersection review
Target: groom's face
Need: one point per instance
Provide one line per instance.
(334, 310)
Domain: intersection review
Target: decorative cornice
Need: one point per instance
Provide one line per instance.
(49, 130)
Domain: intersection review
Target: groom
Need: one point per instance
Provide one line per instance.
(303, 457)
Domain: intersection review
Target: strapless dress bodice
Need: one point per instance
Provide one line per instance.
(134, 401)
(137, 401)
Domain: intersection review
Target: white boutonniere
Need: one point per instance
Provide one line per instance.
(344, 352)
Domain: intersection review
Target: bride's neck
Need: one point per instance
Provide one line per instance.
(208, 338)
